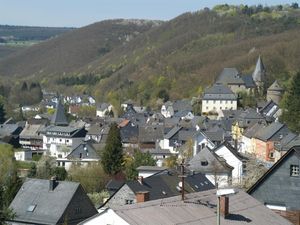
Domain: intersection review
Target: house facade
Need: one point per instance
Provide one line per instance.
(217, 98)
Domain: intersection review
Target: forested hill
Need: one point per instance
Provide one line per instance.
(179, 57)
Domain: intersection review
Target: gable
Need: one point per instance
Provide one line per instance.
(277, 186)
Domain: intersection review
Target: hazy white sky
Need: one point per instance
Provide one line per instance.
(83, 12)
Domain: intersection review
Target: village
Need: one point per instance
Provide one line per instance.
(246, 149)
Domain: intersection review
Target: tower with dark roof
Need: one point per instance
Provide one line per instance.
(259, 75)
(59, 118)
(275, 92)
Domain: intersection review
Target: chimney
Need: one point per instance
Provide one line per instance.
(142, 196)
(141, 179)
(52, 183)
(224, 206)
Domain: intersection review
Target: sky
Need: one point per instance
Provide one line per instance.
(78, 13)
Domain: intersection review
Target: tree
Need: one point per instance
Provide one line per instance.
(44, 167)
(291, 104)
(138, 159)
(92, 178)
(112, 156)
(2, 113)
(163, 94)
(59, 172)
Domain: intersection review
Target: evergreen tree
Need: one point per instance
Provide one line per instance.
(112, 156)
(291, 105)
(139, 159)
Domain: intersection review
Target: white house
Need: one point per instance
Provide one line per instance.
(233, 158)
(167, 109)
(218, 97)
(103, 109)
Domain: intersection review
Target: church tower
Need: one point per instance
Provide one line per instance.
(275, 92)
(259, 76)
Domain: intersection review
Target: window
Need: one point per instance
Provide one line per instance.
(31, 208)
(77, 210)
(204, 163)
(294, 170)
(271, 155)
(128, 201)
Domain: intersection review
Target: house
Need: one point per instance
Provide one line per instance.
(158, 186)
(9, 133)
(31, 138)
(81, 155)
(217, 98)
(178, 108)
(103, 109)
(48, 202)
(286, 143)
(237, 82)
(129, 133)
(97, 133)
(271, 111)
(147, 171)
(278, 188)
(215, 168)
(265, 139)
(59, 140)
(198, 208)
(160, 155)
(233, 158)
(149, 134)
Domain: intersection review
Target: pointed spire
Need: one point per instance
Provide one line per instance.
(259, 72)
(59, 118)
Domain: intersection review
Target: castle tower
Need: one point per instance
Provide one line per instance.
(275, 92)
(259, 76)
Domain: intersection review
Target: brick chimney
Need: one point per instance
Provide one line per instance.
(142, 196)
(52, 183)
(224, 206)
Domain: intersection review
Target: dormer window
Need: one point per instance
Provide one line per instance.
(31, 208)
(294, 170)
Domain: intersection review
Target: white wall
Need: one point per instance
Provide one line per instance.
(233, 161)
(217, 105)
(105, 217)
(222, 179)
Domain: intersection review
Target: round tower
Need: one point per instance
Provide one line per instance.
(275, 92)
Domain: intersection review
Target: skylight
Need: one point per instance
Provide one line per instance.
(31, 208)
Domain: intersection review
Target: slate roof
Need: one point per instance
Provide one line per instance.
(182, 105)
(102, 106)
(151, 168)
(199, 209)
(59, 118)
(289, 141)
(259, 72)
(230, 76)
(85, 150)
(151, 133)
(164, 184)
(129, 133)
(268, 132)
(251, 131)
(275, 87)
(248, 80)
(215, 163)
(9, 129)
(172, 132)
(219, 92)
(49, 205)
(269, 109)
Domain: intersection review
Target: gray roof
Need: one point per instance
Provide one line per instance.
(248, 80)
(151, 168)
(59, 118)
(9, 129)
(182, 105)
(83, 151)
(268, 132)
(47, 207)
(172, 132)
(275, 87)
(230, 76)
(214, 163)
(259, 72)
(219, 92)
(102, 106)
(150, 133)
(199, 208)
(32, 131)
